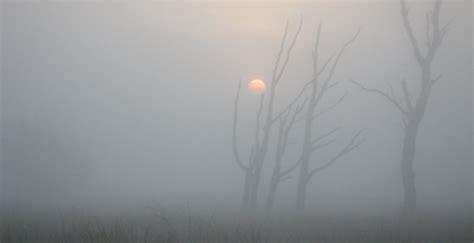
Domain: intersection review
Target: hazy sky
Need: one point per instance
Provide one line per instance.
(126, 103)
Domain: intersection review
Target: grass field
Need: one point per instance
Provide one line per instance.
(188, 228)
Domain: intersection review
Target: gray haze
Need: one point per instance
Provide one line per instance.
(123, 104)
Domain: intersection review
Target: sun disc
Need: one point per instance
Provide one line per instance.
(257, 87)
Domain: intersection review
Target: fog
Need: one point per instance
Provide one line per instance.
(113, 106)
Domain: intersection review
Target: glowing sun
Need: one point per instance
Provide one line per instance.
(257, 87)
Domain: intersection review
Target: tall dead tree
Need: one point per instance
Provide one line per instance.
(413, 107)
(264, 122)
(318, 88)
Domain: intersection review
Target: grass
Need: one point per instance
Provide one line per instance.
(193, 228)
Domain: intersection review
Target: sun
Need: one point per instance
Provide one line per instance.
(257, 87)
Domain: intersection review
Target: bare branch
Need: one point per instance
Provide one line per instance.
(316, 51)
(325, 110)
(258, 118)
(300, 107)
(435, 23)
(286, 126)
(277, 78)
(234, 130)
(429, 41)
(323, 68)
(297, 112)
(435, 80)
(406, 22)
(438, 33)
(339, 101)
(284, 178)
(251, 157)
(293, 102)
(327, 84)
(406, 94)
(444, 30)
(338, 57)
(391, 90)
(283, 120)
(290, 169)
(383, 94)
(322, 145)
(325, 135)
(280, 52)
(354, 143)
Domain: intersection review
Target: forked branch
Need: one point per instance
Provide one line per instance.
(434, 33)
(406, 23)
(390, 98)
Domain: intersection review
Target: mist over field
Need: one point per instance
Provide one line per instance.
(121, 109)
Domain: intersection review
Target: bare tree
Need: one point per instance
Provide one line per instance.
(264, 122)
(413, 107)
(287, 120)
(318, 88)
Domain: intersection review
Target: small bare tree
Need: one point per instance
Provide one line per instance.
(318, 88)
(264, 122)
(287, 119)
(413, 107)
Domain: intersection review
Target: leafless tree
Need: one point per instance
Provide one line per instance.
(264, 122)
(287, 120)
(413, 106)
(318, 88)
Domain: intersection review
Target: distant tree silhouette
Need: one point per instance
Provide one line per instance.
(413, 106)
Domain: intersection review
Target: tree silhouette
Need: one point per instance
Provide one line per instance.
(413, 107)
(263, 125)
(318, 87)
(287, 119)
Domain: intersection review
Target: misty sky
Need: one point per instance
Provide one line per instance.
(119, 104)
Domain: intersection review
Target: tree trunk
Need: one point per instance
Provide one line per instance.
(253, 197)
(275, 179)
(271, 195)
(261, 154)
(407, 171)
(303, 180)
(254, 187)
(246, 193)
(409, 144)
(301, 194)
(307, 150)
